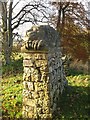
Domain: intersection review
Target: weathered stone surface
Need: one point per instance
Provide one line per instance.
(38, 37)
(43, 78)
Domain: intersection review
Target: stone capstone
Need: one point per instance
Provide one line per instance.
(41, 37)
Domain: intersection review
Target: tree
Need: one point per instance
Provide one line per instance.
(59, 19)
(30, 12)
(71, 21)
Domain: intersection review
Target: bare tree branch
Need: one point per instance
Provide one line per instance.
(30, 12)
(66, 5)
(28, 5)
(16, 4)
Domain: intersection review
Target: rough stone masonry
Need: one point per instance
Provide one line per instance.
(43, 78)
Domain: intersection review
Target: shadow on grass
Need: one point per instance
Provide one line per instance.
(74, 104)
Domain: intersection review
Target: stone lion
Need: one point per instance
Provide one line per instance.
(40, 37)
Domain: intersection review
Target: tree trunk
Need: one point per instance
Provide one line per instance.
(10, 29)
(59, 18)
(7, 32)
(6, 48)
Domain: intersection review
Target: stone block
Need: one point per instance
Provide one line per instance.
(26, 70)
(50, 69)
(39, 110)
(27, 56)
(30, 109)
(29, 63)
(28, 85)
(30, 102)
(27, 94)
(35, 95)
(30, 114)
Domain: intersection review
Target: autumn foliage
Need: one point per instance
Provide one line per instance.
(71, 21)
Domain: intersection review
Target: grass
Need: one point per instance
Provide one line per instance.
(73, 104)
(12, 96)
(13, 68)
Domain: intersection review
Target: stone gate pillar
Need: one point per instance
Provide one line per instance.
(36, 91)
(43, 78)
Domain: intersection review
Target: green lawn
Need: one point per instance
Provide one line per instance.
(12, 96)
(74, 102)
